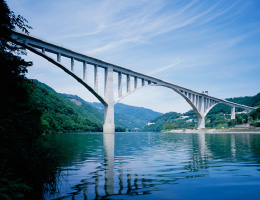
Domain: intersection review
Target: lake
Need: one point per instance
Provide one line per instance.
(158, 166)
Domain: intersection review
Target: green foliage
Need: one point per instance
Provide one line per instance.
(120, 129)
(142, 114)
(169, 121)
(256, 124)
(218, 117)
(153, 127)
(242, 118)
(70, 113)
(232, 123)
(17, 186)
(255, 117)
(59, 114)
(248, 101)
(168, 127)
(84, 109)
(255, 114)
(26, 166)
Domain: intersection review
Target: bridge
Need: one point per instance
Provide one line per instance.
(200, 102)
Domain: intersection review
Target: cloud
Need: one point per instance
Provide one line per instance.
(99, 29)
(112, 45)
(162, 69)
(149, 20)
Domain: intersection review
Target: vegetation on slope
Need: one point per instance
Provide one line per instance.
(169, 121)
(64, 113)
(61, 115)
(131, 117)
(218, 117)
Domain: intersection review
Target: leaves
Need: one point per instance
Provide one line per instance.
(25, 165)
(20, 22)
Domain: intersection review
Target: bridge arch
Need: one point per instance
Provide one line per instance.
(200, 102)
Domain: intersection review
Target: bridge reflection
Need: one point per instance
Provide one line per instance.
(109, 146)
(103, 178)
(192, 156)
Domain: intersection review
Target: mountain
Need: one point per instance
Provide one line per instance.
(169, 121)
(219, 116)
(70, 113)
(130, 117)
(62, 115)
(84, 108)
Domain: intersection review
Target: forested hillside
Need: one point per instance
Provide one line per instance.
(61, 115)
(249, 101)
(130, 117)
(218, 117)
(70, 113)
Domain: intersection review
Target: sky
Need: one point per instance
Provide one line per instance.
(198, 44)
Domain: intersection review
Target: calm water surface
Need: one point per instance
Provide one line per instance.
(158, 166)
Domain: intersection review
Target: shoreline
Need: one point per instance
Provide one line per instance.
(226, 130)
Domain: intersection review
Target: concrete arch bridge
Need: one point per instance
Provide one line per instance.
(201, 103)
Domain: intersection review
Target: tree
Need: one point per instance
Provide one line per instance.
(26, 166)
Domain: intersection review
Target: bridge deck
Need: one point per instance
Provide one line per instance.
(200, 102)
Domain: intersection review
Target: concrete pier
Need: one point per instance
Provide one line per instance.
(96, 78)
(120, 90)
(201, 122)
(109, 125)
(233, 112)
(85, 71)
(72, 64)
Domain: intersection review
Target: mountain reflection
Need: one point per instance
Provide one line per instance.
(144, 163)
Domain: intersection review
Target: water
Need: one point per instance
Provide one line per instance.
(158, 166)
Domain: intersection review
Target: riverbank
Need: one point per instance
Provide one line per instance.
(222, 130)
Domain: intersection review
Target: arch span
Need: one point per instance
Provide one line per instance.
(200, 102)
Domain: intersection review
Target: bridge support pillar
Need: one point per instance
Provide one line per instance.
(233, 112)
(201, 122)
(109, 125)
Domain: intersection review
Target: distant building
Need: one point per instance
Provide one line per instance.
(242, 112)
(183, 117)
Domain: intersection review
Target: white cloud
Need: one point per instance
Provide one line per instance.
(99, 29)
(112, 45)
(162, 69)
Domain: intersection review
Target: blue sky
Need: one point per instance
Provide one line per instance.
(201, 45)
